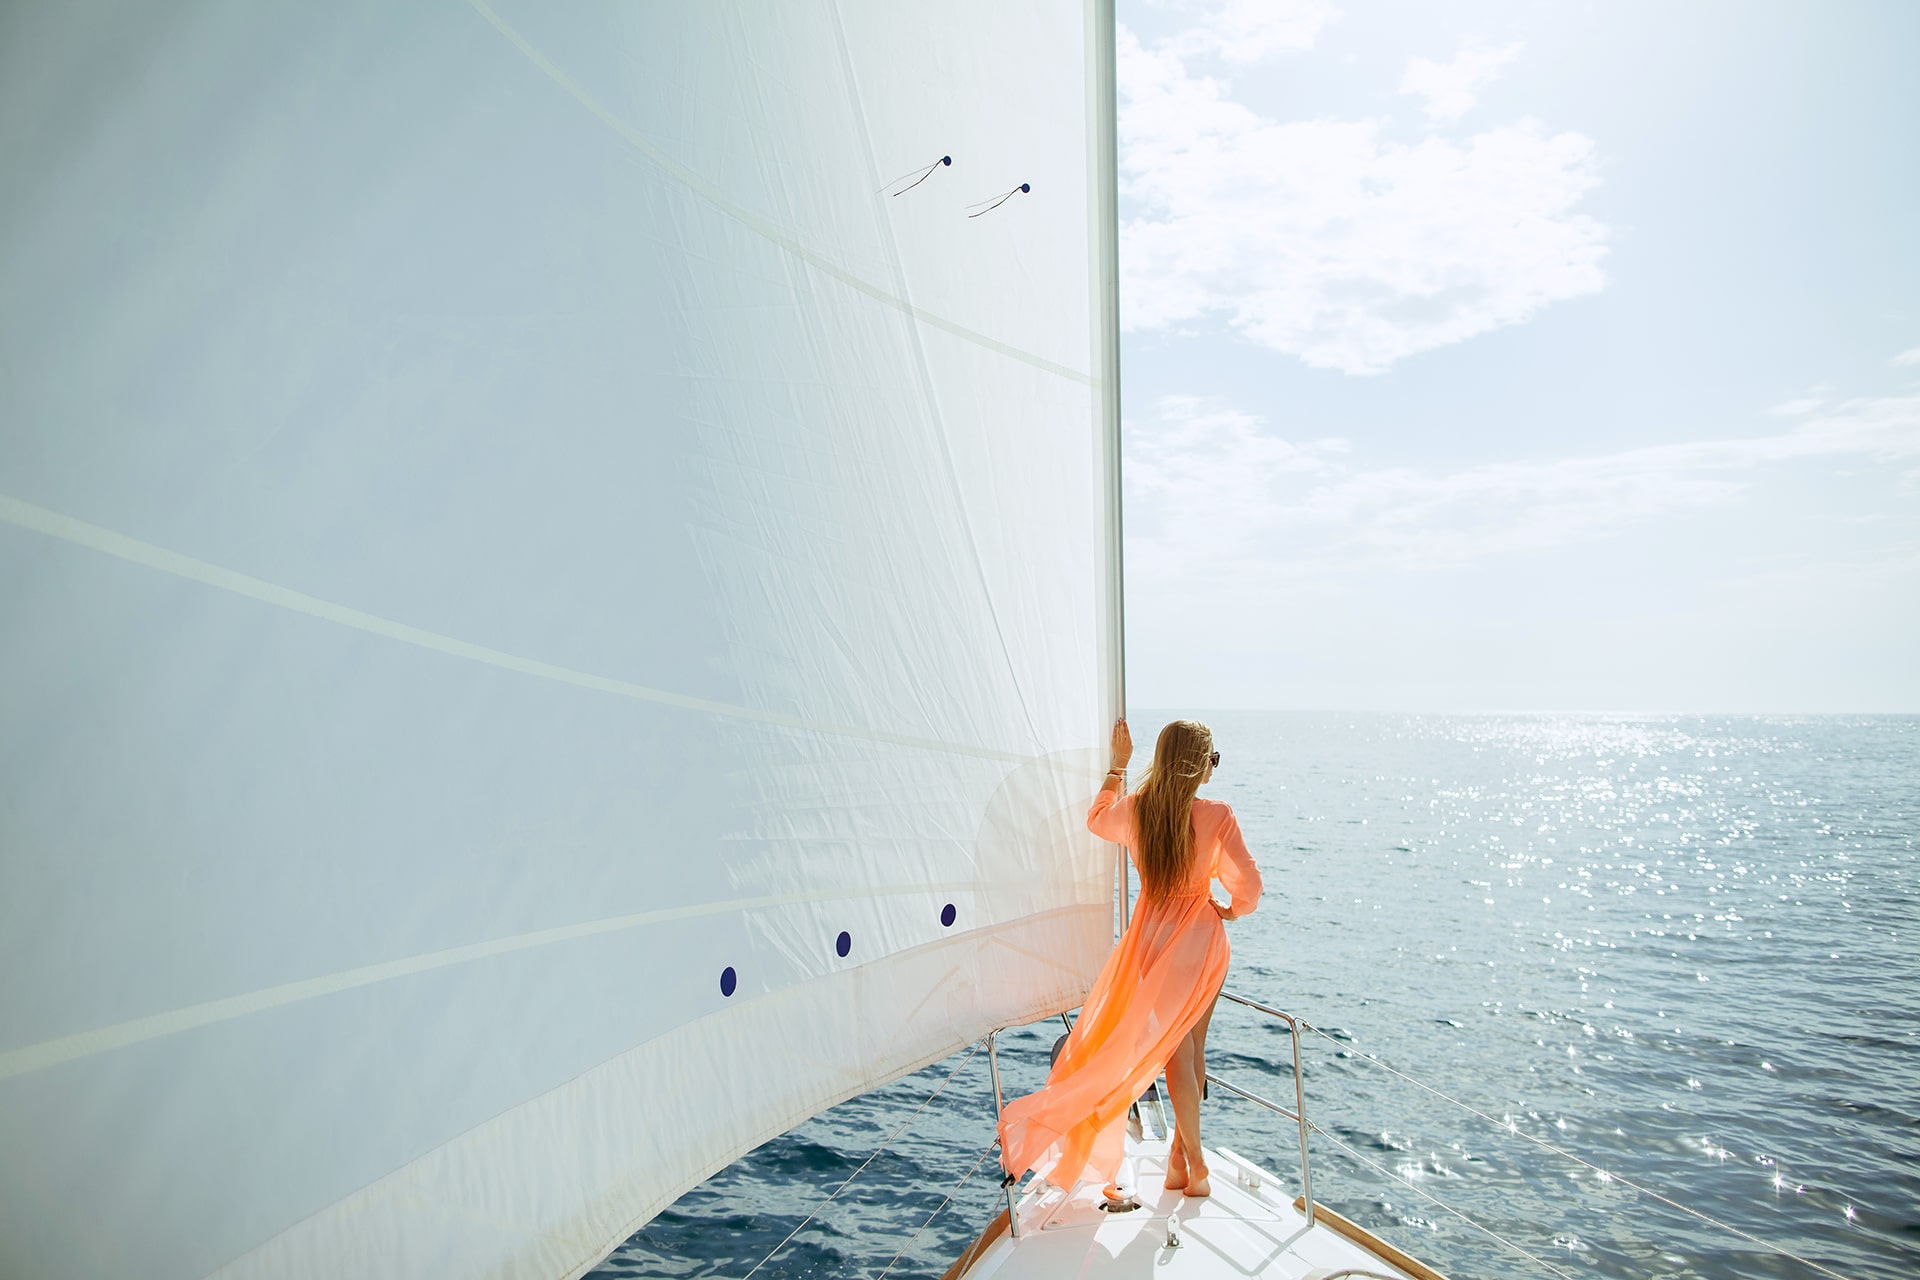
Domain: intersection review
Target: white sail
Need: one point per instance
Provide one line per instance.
(550, 627)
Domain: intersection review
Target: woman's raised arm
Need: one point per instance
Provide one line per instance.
(1108, 816)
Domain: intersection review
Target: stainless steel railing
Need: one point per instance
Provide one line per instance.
(1007, 1181)
(1299, 1113)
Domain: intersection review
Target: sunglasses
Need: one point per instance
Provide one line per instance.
(1214, 760)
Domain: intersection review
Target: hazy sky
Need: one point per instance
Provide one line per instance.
(1518, 355)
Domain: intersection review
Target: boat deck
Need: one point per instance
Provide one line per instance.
(1247, 1227)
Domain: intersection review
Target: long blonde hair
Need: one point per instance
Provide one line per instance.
(1163, 806)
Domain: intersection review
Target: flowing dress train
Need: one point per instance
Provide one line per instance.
(1156, 984)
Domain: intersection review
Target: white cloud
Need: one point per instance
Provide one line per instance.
(1794, 408)
(1198, 458)
(1328, 239)
(1211, 491)
(1244, 31)
(1911, 356)
(1451, 88)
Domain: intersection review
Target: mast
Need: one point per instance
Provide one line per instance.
(1103, 205)
(1103, 241)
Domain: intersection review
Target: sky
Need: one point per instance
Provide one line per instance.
(1509, 356)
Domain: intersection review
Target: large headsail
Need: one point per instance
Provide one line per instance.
(552, 626)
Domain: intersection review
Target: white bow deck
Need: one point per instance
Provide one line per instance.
(1248, 1227)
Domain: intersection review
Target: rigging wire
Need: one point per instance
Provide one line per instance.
(1382, 1169)
(1606, 1175)
(951, 1192)
(887, 1141)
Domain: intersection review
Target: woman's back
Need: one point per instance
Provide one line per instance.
(1217, 847)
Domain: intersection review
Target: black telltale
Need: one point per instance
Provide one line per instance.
(947, 914)
(843, 943)
(728, 981)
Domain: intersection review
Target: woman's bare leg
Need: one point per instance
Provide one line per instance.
(1186, 1077)
(1184, 1094)
(1176, 1151)
(1197, 1183)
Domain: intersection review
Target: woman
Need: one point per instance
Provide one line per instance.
(1149, 1007)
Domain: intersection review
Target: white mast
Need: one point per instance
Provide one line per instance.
(1103, 202)
(1103, 241)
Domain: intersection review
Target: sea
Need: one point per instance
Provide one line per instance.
(1607, 995)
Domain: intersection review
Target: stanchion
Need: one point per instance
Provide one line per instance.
(1007, 1180)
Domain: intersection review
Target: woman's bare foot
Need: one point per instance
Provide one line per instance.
(1196, 1184)
(1176, 1166)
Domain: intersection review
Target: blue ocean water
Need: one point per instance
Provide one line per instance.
(1684, 949)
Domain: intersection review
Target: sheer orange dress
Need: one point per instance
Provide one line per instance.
(1151, 992)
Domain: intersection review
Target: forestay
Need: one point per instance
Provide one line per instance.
(552, 627)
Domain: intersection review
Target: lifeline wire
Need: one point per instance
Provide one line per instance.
(1606, 1175)
(869, 1160)
(1533, 1258)
(951, 1192)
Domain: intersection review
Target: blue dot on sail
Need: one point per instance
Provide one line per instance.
(947, 914)
(728, 981)
(843, 943)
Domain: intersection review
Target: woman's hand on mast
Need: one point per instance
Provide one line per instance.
(1122, 744)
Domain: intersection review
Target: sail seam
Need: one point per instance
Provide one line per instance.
(418, 1187)
(52, 1053)
(753, 221)
(96, 538)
